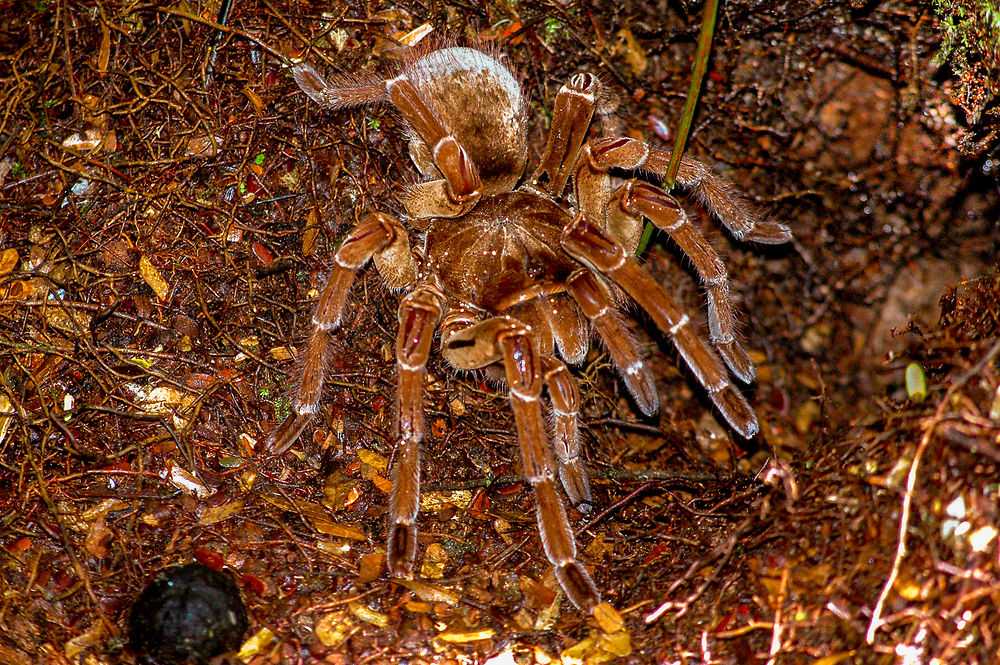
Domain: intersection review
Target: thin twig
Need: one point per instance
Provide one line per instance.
(911, 482)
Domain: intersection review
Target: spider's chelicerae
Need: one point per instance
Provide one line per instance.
(517, 274)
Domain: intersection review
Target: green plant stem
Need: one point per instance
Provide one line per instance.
(700, 66)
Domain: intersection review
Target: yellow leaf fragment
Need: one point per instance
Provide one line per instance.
(255, 100)
(367, 614)
(617, 645)
(413, 37)
(66, 319)
(835, 658)
(257, 643)
(8, 259)
(430, 593)
(434, 501)
(382, 483)
(634, 54)
(152, 277)
(576, 654)
(377, 463)
(608, 618)
(221, 513)
(6, 416)
(334, 628)
(281, 353)
(435, 559)
(316, 515)
(467, 636)
(417, 606)
(78, 644)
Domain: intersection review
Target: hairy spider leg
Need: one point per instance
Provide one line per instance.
(522, 365)
(469, 344)
(716, 195)
(638, 200)
(598, 305)
(564, 400)
(596, 249)
(379, 236)
(461, 187)
(419, 313)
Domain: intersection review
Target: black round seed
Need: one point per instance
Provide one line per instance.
(186, 616)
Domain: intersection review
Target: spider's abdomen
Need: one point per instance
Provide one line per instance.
(504, 252)
(480, 102)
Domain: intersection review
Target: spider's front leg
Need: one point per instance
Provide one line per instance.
(522, 365)
(419, 313)
(377, 236)
(598, 250)
(636, 200)
(468, 344)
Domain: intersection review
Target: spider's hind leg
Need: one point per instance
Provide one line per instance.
(596, 249)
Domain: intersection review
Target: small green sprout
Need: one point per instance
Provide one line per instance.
(259, 159)
(916, 382)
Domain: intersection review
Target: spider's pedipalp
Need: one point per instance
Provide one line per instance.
(574, 107)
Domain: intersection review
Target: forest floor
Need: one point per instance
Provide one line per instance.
(170, 201)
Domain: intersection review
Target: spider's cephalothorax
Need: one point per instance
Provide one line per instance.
(517, 277)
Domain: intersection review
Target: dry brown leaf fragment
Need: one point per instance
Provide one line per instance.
(370, 567)
(310, 232)
(203, 145)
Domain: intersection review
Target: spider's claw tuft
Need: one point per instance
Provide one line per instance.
(769, 233)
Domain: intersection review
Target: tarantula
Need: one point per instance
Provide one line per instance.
(513, 271)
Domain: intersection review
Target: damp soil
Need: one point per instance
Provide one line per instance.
(170, 202)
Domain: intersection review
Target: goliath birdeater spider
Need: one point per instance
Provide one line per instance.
(516, 273)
